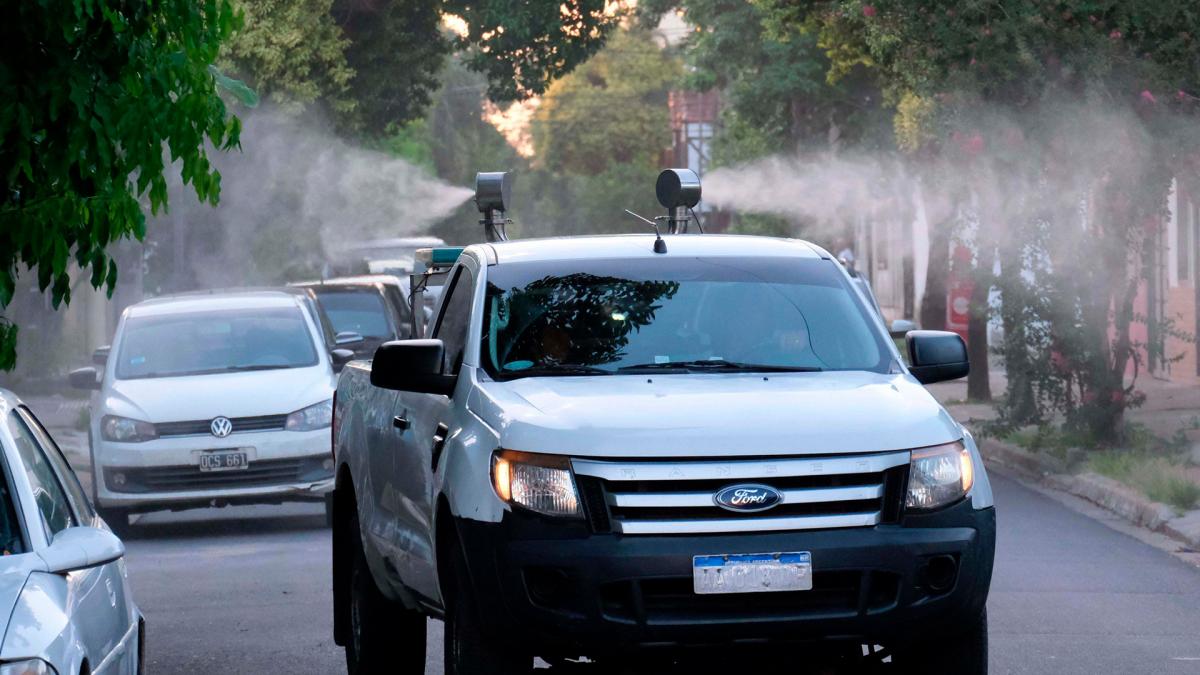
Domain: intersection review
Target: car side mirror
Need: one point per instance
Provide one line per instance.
(338, 358)
(901, 327)
(84, 378)
(81, 547)
(348, 337)
(100, 356)
(412, 365)
(936, 356)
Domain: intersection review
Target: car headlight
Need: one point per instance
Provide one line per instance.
(317, 416)
(541, 483)
(29, 667)
(125, 430)
(939, 475)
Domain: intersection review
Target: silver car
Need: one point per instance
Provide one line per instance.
(63, 584)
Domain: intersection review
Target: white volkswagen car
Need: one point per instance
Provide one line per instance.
(63, 587)
(209, 400)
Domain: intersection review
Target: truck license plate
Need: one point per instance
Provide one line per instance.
(223, 460)
(752, 573)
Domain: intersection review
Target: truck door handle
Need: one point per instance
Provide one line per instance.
(400, 422)
(439, 443)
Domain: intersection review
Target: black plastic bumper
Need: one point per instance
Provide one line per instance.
(578, 592)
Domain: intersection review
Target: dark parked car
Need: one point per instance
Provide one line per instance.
(375, 307)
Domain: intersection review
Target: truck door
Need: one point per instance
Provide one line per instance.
(430, 424)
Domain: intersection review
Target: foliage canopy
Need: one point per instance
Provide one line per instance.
(98, 96)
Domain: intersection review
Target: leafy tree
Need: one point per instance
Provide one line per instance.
(524, 45)
(611, 110)
(1037, 108)
(395, 50)
(98, 96)
(293, 53)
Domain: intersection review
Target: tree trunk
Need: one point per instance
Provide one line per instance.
(979, 388)
(933, 302)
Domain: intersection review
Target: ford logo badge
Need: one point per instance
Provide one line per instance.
(748, 498)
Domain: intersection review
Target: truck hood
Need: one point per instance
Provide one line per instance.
(698, 415)
(171, 399)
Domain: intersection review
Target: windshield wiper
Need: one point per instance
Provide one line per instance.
(719, 365)
(249, 368)
(554, 369)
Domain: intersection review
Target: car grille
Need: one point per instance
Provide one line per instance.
(240, 424)
(676, 497)
(181, 478)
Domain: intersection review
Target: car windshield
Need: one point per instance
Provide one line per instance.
(357, 311)
(203, 343)
(597, 317)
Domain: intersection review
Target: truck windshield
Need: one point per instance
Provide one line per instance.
(203, 343)
(597, 317)
(358, 311)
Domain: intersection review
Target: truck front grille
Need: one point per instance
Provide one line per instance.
(677, 497)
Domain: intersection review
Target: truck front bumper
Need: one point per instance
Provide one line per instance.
(573, 592)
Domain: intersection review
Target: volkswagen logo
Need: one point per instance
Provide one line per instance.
(220, 427)
(748, 498)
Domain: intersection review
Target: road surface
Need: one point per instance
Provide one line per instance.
(247, 590)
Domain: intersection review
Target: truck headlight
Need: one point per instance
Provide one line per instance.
(317, 416)
(541, 483)
(939, 475)
(125, 430)
(29, 667)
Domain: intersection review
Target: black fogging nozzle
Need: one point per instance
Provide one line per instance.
(678, 190)
(493, 194)
(660, 246)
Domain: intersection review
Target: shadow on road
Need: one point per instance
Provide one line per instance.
(202, 524)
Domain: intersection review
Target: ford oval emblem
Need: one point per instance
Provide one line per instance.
(748, 498)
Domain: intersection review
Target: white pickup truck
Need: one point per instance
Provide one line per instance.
(613, 448)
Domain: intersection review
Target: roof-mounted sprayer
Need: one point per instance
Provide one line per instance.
(493, 195)
(678, 190)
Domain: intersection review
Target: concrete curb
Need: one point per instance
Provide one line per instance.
(1100, 490)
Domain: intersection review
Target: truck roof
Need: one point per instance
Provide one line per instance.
(202, 301)
(641, 246)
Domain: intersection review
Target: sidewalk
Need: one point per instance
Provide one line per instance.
(1170, 409)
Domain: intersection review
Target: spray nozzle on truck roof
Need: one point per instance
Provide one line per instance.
(678, 190)
(493, 194)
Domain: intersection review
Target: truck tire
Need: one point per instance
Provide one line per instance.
(385, 636)
(965, 653)
(467, 650)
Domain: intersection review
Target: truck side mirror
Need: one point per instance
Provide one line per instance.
(936, 356)
(412, 365)
(84, 378)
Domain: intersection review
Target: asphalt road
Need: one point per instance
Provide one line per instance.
(246, 590)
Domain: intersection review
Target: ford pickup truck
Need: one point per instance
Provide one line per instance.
(630, 447)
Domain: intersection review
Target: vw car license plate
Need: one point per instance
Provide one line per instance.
(223, 460)
(752, 573)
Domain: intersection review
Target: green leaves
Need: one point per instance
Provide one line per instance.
(93, 93)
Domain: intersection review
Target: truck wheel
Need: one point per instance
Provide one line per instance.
(385, 636)
(467, 651)
(965, 653)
